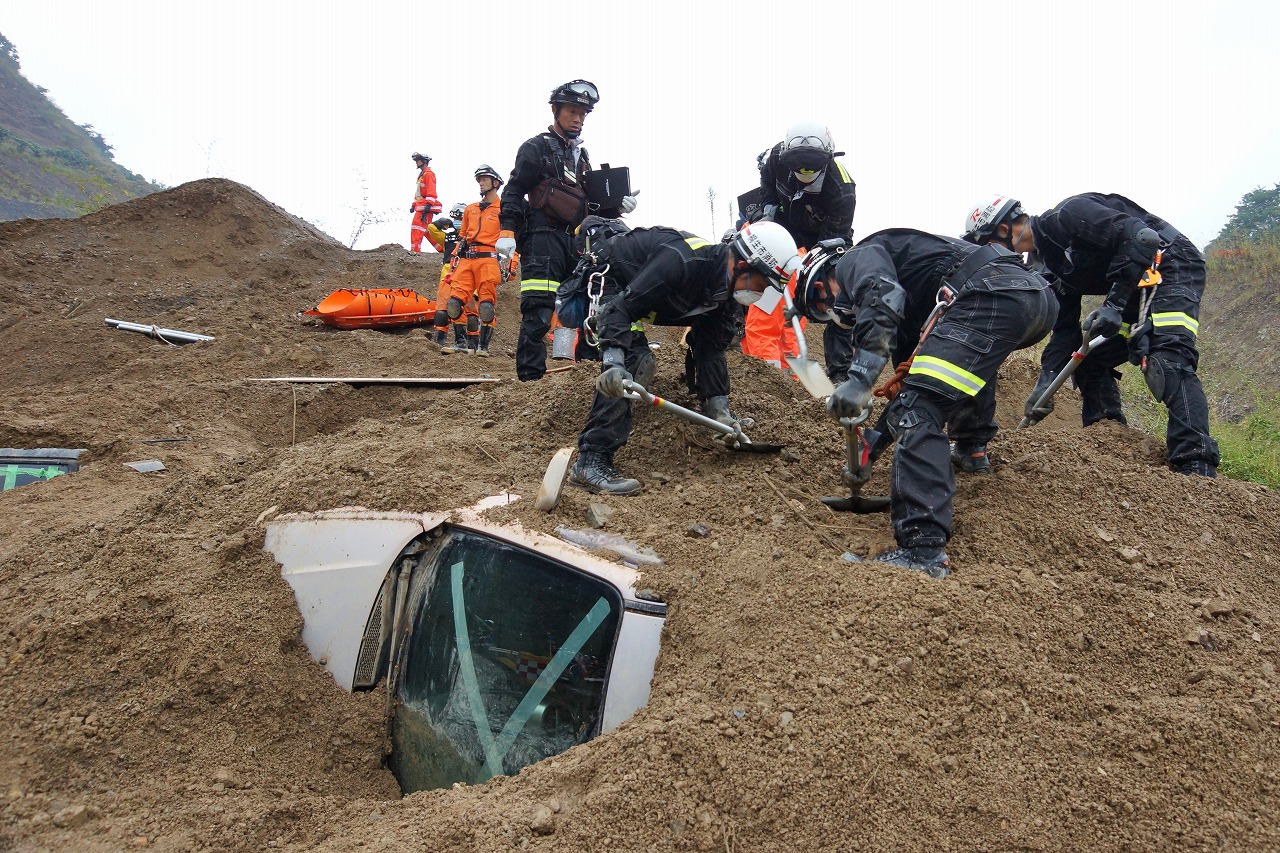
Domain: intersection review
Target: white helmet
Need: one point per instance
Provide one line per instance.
(457, 210)
(806, 150)
(769, 249)
(813, 269)
(981, 223)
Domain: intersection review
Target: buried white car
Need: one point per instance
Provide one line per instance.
(499, 646)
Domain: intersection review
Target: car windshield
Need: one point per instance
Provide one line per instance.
(506, 663)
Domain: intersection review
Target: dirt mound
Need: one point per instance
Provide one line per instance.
(1099, 673)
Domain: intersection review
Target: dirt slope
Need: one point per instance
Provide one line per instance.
(1099, 673)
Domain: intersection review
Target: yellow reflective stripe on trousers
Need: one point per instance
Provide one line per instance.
(638, 325)
(844, 176)
(1167, 319)
(539, 284)
(696, 242)
(945, 371)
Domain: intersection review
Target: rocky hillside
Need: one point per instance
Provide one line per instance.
(50, 166)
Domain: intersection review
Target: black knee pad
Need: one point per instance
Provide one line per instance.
(442, 319)
(646, 367)
(487, 313)
(1163, 377)
(455, 308)
(473, 323)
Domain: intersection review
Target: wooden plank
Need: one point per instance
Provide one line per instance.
(436, 381)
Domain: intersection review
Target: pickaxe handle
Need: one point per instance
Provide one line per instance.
(636, 391)
(1062, 377)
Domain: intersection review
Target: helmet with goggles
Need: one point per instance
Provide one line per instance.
(806, 150)
(810, 300)
(578, 93)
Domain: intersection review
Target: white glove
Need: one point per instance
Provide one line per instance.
(506, 246)
(628, 202)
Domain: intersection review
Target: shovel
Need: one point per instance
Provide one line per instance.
(1062, 377)
(857, 469)
(734, 438)
(810, 373)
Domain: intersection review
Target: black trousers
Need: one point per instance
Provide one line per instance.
(1000, 309)
(546, 257)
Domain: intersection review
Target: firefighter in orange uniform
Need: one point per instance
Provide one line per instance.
(425, 205)
(476, 273)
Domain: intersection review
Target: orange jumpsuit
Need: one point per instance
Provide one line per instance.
(425, 206)
(770, 336)
(476, 272)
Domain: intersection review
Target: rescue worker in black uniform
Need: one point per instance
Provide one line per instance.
(550, 163)
(806, 190)
(885, 288)
(671, 278)
(1099, 243)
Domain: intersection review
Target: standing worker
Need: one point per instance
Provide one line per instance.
(475, 273)
(544, 200)
(425, 205)
(985, 304)
(448, 226)
(1153, 277)
(676, 279)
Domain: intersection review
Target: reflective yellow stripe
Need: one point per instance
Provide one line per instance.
(539, 284)
(945, 371)
(1166, 319)
(844, 176)
(1126, 329)
(696, 242)
(638, 325)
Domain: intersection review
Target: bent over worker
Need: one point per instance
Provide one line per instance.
(670, 278)
(475, 273)
(1097, 243)
(886, 288)
(544, 200)
(425, 204)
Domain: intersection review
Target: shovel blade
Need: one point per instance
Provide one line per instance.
(553, 480)
(811, 376)
(857, 503)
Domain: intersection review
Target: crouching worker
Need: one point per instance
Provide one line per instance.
(987, 303)
(671, 278)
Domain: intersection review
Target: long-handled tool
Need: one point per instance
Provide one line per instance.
(733, 437)
(810, 373)
(857, 470)
(1061, 378)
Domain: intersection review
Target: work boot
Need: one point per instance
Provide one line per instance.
(486, 335)
(970, 458)
(440, 336)
(459, 340)
(1199, 469)
(594, 472)
(473, 344)
(933, 562)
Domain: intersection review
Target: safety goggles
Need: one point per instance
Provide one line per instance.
(582, 87)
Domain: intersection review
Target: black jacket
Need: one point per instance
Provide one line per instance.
(889, 284)
(547, 155)
(809, 216)
(1084, 239)
(665, 277)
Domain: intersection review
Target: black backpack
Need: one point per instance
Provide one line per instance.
(574, 296)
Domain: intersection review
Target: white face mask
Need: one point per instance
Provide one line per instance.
(746, 297)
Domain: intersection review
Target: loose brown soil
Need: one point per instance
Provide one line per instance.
(1100, 673)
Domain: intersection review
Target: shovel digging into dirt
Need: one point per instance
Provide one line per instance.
(1060, 379)
(857, 470)
(734, 438)
(810, 373)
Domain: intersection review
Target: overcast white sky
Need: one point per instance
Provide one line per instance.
(1171, 103)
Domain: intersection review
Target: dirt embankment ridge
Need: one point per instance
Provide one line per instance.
(1099, 674)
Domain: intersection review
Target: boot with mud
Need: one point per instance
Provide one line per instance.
(440, 335)
(933, 562)
(970, 458)
(459, 340)
(594, 472)
(486, 335)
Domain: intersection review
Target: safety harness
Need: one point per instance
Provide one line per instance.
(953, 284)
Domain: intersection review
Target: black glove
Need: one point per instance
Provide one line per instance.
(1103, 321)
(413, 208)
(853, 397)
(1033, 413)
(610, 382)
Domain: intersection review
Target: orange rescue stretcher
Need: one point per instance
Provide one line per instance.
(374, 309)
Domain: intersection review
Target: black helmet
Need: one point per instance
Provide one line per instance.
(487, 171)
(420, 157)
(813, 269)
(578, 93)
